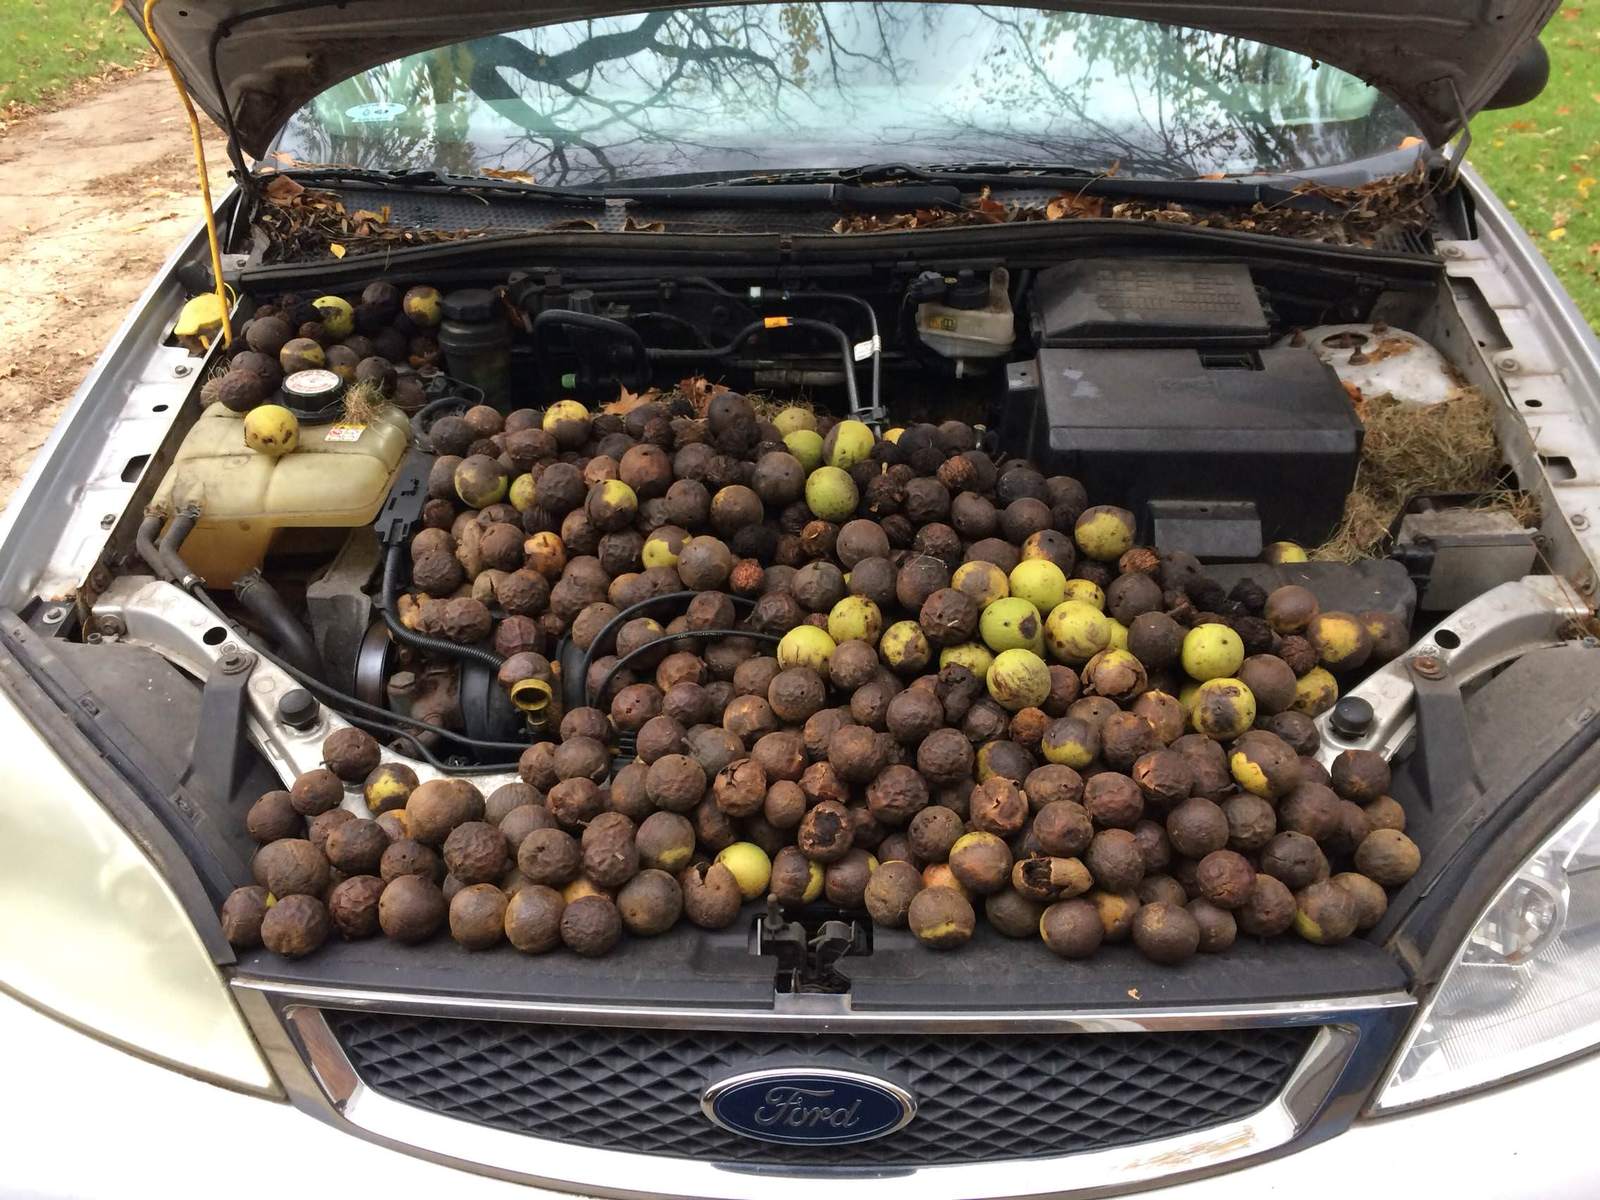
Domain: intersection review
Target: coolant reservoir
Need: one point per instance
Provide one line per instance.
(970, 323)
(336, 478)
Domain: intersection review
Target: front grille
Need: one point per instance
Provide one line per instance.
(981, 1097)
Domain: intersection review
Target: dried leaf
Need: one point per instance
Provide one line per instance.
(628, 401)
(282, 190)
(500, 173)
(583, 223)
(699, 391)
(1066, 205)
(1337, 216)
(988, 206)
(303, 225)
(630, 225)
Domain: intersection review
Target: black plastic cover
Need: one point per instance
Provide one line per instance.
(1147, 302)
(1366, 585)
(1273, 427)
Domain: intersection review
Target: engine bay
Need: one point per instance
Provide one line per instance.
(491, 526)
(1176, 387)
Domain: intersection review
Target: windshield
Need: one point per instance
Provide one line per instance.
(775, 87)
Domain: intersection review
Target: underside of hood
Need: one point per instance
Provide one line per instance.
(252, 65)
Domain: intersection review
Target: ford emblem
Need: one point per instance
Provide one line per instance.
(815, 1106)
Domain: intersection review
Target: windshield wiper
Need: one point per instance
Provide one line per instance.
(435, 181)
(845, 197)
(886, 173)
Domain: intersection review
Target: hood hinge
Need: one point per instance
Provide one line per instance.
(1463, 142)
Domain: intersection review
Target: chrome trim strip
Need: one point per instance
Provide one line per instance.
(1321, 1097)
(1133, 1020)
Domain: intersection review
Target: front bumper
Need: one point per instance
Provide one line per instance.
(84, 1119)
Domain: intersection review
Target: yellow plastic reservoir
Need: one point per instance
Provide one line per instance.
(337, 478)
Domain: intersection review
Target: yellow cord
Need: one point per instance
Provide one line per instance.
(200, 168)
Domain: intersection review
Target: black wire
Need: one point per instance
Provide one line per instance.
(702, 283)
(673, 319)
(609, 629)
(421, 641)
(681, 636)
(343, 699)
(661, 354)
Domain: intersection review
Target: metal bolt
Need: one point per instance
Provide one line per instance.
(110, 626)
(107, 521)
(1579, 521)
(181, 370)
(1352, 717)
(234, 663)
(1452, 252)
(54, 616)
(93, 639)
(1428, 666)
(1508, 364)
(298, 709)
(1585, 583)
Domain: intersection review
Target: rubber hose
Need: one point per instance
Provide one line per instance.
(172, 543)
(144, 541)
(292, 639)
(567, 318)
(421, 641)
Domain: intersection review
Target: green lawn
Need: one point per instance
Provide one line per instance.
(48, 45)
(1544, 159)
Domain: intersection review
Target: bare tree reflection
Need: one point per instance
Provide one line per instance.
(758, 86)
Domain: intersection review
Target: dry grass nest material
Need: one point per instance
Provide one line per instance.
(1412, 449)
(362, 400)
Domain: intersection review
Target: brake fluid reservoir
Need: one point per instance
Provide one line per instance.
(337, 478)
(970, 321)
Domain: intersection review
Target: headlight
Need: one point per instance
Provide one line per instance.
(92, 933)
(1524, 991)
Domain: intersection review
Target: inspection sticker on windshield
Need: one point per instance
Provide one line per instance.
(377, 113)
(344, 431)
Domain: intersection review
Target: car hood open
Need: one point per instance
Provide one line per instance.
(255, 62)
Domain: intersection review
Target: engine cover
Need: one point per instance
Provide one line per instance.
(1269, 427)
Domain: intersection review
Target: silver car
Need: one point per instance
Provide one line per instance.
(1197, 256)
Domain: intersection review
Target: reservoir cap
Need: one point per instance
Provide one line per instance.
(474, 305)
